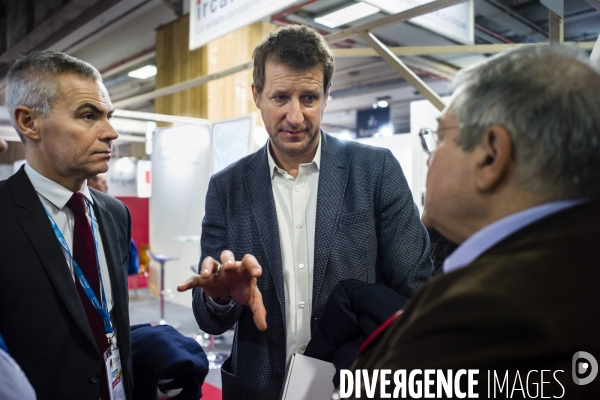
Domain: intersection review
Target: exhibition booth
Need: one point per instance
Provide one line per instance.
(184, 110)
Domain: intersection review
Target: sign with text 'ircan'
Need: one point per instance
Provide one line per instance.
(211, 19)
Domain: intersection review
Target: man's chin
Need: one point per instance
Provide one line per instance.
(98, 169)
(426, 220)
(293, 148)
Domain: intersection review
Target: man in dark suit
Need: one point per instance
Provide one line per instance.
(515, 180)
(48, 289)
(307, 211)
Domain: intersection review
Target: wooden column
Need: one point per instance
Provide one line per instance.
(556, 28)
(222, 98)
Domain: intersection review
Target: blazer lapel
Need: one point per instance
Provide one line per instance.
(106, 226)
(34, 221)
(258, 187)
(333, 176)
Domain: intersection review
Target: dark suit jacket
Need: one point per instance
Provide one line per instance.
(41, 315)
(367, 228)
(528, 303)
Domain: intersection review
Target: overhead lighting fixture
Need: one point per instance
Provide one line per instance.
(345, 135)
(145, 72)
(386, 131)
(380, 103)
(346, 15)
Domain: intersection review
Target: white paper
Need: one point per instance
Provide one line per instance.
(308, 379)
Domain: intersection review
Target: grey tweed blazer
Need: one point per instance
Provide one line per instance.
(367, 228)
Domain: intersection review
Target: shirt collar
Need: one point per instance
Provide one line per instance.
(487, 237)
(52, 191)
(273, 166)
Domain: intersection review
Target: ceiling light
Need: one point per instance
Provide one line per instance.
(345, 15)
(386, 131)
(382, 103)
(145, 72)
(345, 135)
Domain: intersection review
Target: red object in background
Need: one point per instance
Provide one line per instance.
(140, 279)
(140, 227)
(210, 392)
(140, 217)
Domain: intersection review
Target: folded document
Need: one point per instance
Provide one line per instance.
(308, 379)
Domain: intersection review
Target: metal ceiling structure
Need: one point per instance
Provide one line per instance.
(118, 36)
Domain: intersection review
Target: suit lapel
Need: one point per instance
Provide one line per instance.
(34, 221)
(258, 187)
(106, 226)
(333, 176)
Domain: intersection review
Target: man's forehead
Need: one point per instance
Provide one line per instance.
(273, 67)
(79, 91)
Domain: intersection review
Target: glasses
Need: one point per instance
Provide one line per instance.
(429, 138)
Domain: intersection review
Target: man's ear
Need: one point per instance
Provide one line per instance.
(495, 158)
(26, 122)
(255, 96)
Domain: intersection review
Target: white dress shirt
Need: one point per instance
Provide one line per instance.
(54, 198)
(296, 207)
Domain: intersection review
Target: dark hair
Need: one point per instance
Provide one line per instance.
(298, 47)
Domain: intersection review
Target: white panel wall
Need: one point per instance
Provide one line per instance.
(180, 175)
(121, 177)
(6, 170)
(400, 146)
(231, 141)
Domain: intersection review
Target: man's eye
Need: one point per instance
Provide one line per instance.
(88, 116)
(310, 98)
(280, 98)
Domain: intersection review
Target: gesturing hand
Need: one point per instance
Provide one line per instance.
(232, 278)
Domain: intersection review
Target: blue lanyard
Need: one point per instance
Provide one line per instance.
(100, 307)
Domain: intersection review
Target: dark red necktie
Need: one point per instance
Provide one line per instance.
(84, 252)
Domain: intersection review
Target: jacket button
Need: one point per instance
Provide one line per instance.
(276, 376)
(95, 377)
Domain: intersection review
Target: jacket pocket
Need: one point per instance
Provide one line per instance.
(231, 384)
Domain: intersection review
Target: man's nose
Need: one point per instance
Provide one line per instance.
(294, 115)
(108, 131)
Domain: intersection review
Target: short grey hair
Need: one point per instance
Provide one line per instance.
(32, 80)
(548, 98)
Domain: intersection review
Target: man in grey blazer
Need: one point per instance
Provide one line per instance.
(305, 212)
(52, 329)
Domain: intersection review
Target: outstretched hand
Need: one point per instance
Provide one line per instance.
(236, 279)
